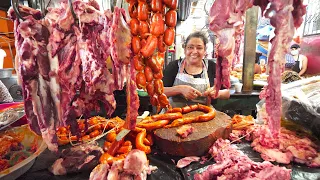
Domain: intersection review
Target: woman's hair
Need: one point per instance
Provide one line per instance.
(197, 34)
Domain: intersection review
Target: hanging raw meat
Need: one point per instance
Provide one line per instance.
(226, 20)
(62, 64)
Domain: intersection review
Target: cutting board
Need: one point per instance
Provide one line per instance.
(197, 143)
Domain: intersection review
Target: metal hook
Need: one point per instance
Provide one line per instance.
(15, 5)
(72, 11)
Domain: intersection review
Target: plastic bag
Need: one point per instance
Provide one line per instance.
(301, 103)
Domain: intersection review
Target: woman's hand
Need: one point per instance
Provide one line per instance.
(211, 93)
(189, 92)
(222, 94)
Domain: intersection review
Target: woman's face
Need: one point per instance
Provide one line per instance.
(195, 50)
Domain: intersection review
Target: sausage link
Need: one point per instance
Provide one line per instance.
(139, 142)
(167, 116)
(154, 125)
(186, 109)
(173, 110)
(194, 107)
(208, 116)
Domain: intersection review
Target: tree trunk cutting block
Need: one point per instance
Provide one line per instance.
(197, 143)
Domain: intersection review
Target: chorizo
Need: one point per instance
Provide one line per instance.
(144, 29)
(148, 73)
(133, 10)
(141, 80)
(148, 50)
(150, 139)
(153, 64)
(156, 5)
(143, 11)
(111, 136)
(204, 108)
(106, 158)
(171, 18)
(181, 121)
(162, 47)
(207, 117)
(135, 43)
(154, 100)
(150, 89)
(173, 110)
(194, 107)
(114, 147)
(157, 25)
(139, 142)
(158, 86)
(143, 43)
(134, 26)
(171, 4)
(154, 125)
(125, 148)
(186, 109)
(169, 36)
(163, 100)
(137, 63)
(166, 116)
(158, 75)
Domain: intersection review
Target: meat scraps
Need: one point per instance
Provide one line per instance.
(233, 164)
(185, 130)
(186, 161)
(288, 147)
(62, 64)
(134, 166)
(76, 159)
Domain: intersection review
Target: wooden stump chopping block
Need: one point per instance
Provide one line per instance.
(197, 143)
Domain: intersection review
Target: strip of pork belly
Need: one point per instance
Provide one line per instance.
(64, 59)
(226, 24)
(35, 69)
(120, 39)
(93, 50)
(282, 20)
(32, 118)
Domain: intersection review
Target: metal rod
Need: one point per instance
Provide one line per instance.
(72, 11)
(15, 5)
(249, 48)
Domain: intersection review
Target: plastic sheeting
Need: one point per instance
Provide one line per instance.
(301, 103)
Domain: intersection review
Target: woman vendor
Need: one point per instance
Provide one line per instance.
(301, 61)
(190, 80)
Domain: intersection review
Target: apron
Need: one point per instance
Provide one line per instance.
(201, 84)
(297, 65)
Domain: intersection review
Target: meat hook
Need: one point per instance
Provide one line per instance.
(15, 5)
(72, 11)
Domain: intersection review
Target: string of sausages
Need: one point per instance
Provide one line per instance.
(152, 27)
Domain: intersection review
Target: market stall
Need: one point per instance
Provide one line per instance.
(95, 104)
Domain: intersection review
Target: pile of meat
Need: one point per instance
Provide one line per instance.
(233, 164)
(287, 148)
(285, 15)
(76, 159)
(134, 166)
(62, 63)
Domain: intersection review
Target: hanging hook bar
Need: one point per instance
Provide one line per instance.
(15, 5)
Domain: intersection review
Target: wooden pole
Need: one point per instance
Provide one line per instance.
(249, 55)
